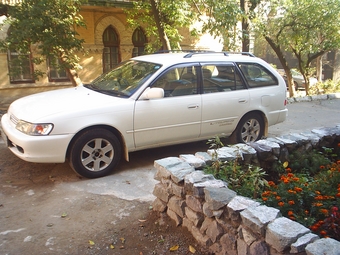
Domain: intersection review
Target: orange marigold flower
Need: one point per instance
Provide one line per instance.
(323, 233)
(296, 179)
(266, 193)
(338, 162)
(291, 191)
(278, 198)
(297, 189)
(288, 169)
(337, 195)
(290, 175)
(324, 211)
(281, 204)
(317, 192)
(265, 198)
(291, 202)
(306, 212)
(338, 144)
(292, 217)
(271, 183)
(290, 213)
(322, 167)
(318, 204)
(314, 228)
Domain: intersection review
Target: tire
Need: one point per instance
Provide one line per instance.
(249, 129)
(95, 153)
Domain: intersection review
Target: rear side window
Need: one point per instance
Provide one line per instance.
(257, 76)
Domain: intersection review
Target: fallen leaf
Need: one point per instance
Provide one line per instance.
(91, 242)
(285, 164)
(122, 239)
(141, 220)
(112, 246)
(192, 249)
(174, 248)
(64, 215)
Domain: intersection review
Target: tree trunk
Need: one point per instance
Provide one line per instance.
(319, 68)
(284, 64)
(161, 32)
(245, 29)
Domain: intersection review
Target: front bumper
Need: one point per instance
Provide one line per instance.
(39, 149)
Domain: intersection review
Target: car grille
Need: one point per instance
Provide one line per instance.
(14, 119)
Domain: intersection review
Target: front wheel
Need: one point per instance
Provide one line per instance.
(95, 153)
(249, 129)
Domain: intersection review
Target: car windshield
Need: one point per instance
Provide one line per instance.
(124, 79)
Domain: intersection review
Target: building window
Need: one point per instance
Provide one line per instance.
(55, 72)
(20, 67)
(111, 56)
(139, 41)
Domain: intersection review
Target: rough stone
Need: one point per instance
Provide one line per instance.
(302, 242)
(214, 231)
(177, 205)
(283, 232)
(240, 203)
(228, 242)
(193, 160)
(161, 191)
(257, 218)
(275, 147)
(195, 217)
(259, 247)
(177, 190)
(194, 203)
(205, 157)
(159, 205)
(247, 236)
(325, 246)
(216, 198)
(174, 216)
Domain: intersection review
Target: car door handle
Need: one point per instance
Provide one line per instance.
(193, 106)
(242, 100)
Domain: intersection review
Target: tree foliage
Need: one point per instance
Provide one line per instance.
(48, 28)
(162, 19)
(307, 28)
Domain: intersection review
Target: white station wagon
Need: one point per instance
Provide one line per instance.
(145, 102)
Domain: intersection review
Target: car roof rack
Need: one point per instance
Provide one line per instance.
(225, 53)
(196, 52)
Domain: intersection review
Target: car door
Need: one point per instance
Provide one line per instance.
(225, 99)
(173, 119)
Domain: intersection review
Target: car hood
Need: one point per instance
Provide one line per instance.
(38, 107)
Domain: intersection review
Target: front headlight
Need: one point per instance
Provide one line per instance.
(34, 129)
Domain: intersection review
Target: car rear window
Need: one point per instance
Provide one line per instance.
(257, 75)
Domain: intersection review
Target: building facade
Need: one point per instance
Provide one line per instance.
(108, 41)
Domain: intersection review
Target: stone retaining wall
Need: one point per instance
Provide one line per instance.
(230, 224)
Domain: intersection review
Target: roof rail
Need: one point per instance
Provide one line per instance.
(195, 52)
(180, 51)
(242, 53)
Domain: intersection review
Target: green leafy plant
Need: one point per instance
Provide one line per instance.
(246, 180)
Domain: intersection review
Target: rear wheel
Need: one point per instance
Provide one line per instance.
(249, 129)
(95, 153)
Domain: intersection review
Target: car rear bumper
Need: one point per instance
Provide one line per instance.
(39, 149)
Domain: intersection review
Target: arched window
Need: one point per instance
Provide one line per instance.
(111, 49)
(139, 41)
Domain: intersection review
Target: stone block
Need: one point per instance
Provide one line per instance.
(247, 236)
(187, 223)
(205, 157)
(238, 204)
(214, 231)
(174, 216)
(194, 161)
(177, 190)
(302, 242)
(195, 178)
(207, 221)
(324, 246)
(177, 205)
(201, 238)
(194, 203)
(259, 247)
(228, 243)
(256, 218)
(195, 217)
(161, 191)
(217, 198)
(159, 205)
(242, 247)
(283, 232)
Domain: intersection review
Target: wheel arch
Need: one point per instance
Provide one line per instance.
(263, 116)
(110, 129)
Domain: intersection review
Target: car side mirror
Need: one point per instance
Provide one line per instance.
(152, 93)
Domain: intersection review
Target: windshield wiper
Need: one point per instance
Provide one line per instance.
(107, 92)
